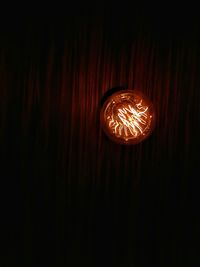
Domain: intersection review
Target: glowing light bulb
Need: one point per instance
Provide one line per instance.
(127, 117)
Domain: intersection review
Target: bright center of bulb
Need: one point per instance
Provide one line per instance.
(127, 117)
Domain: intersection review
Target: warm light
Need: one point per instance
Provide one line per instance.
(127, 117)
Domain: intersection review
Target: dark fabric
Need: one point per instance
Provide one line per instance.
(72, 197)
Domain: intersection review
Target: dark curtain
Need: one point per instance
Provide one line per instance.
(72, 197)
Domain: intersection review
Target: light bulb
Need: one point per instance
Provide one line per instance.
(127, 117)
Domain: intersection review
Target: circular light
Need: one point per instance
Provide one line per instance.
(127, 117)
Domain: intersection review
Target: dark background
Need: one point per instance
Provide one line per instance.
(72, 197)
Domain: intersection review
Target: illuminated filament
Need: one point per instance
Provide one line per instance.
(128, 121)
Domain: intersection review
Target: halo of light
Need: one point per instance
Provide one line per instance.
(127, 117)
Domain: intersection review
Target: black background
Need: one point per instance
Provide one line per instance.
(71, 196)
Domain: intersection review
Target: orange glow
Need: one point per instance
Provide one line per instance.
(127, 117)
